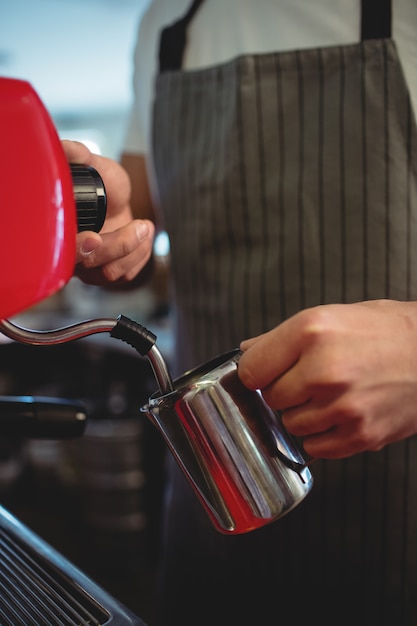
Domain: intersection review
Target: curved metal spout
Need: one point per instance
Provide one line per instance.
(160, 370)
(121, 328)
(57, 336)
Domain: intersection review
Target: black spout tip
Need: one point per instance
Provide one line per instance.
(134, 334)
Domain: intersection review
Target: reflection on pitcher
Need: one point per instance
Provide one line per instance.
(243, 465)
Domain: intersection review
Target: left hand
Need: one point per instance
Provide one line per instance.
(124, 245)
(344, 376)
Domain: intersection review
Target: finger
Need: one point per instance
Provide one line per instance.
(320, 438)
(268, 356)
(122, 269)
(307, 420)
(333, 444)
(110, 264)
(112, 173)
(291, 389)
(76, 152)
(247, 343)
(111, 274)
(96, 250)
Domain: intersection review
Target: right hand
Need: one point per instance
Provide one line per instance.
(344, 376)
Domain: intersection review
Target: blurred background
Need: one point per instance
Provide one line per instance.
(77, 54)
(96, 499)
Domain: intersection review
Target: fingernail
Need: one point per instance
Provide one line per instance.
(142, 231)
(89, 245)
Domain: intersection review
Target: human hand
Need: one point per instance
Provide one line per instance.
(123, 246)
(344, 375)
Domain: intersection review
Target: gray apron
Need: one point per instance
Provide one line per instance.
(288, 180)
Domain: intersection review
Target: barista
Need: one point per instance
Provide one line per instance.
(285, 180)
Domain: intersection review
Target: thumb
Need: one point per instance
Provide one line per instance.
(87, 242)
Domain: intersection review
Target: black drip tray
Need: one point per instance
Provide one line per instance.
(38, 586)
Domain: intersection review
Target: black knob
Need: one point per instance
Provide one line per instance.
(90, 197)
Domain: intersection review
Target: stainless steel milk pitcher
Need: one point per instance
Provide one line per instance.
(243, 465)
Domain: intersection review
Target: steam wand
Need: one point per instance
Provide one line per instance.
(122, 328)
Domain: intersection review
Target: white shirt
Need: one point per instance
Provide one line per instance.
(224, 29)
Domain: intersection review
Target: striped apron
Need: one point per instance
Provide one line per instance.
(288, 180)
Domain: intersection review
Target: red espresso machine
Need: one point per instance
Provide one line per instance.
(44, 202)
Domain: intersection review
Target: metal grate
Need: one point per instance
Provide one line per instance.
(34, 593)
(39, 587)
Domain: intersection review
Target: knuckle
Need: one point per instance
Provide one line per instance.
(246, 375)
(89, 263)
(110, 272)
(316, 324)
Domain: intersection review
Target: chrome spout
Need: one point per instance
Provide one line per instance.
(122, 328)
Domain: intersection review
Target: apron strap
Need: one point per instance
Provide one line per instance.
(376, 19)
(173, 40)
